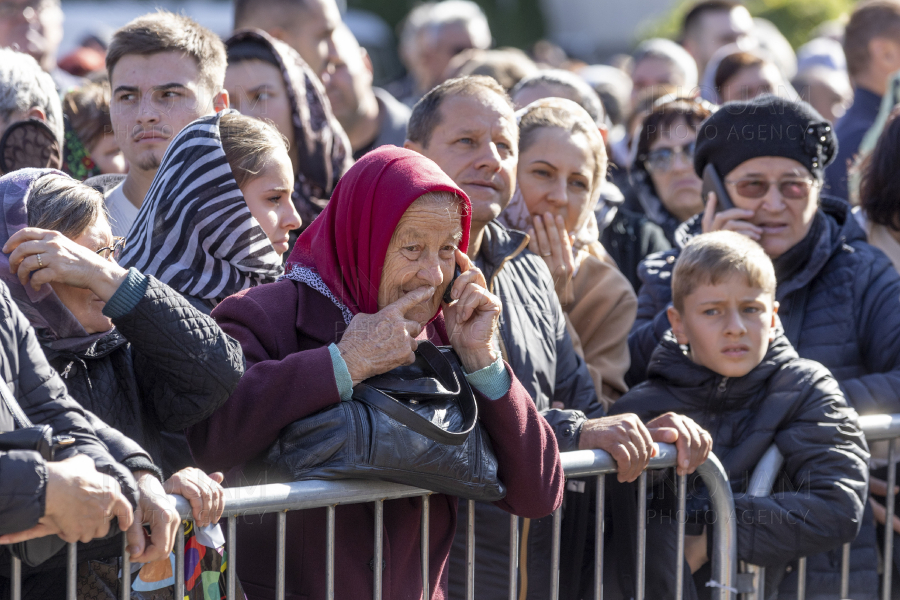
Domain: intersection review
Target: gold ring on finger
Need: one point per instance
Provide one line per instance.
(40, 262)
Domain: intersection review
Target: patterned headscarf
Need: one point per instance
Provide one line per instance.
(55, 326)
(322, 146)
(194, 231)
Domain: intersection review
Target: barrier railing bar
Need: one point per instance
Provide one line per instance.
(598, 537)
(71, 571)
(470, 550)
(15, 579)
(889, 520)
(179, 560)
(641, 537)
(554, 554)
(280, 549)
(426, 544)
(232, 559)
(801, 579)
(125, 591)
(724, 558)
(379, 547)
(845, 571)
(681, 517)
(513, 555)
(329, 551)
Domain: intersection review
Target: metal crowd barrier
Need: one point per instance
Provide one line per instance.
(875, 428)
(280, 498)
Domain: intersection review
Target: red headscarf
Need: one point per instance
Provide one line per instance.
(347, 243)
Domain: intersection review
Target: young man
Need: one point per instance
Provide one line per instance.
(711, 24)
(727, 365)
(165, 71)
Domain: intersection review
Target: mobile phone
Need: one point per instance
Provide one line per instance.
(713, 183)
(456, 273)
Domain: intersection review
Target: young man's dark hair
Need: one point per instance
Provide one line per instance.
(870, 20)
(426, 113)
(164, 31)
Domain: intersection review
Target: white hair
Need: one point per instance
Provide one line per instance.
(24, 85)
(672, 53)
(436, 15)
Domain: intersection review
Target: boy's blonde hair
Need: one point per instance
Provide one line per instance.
(711, 258)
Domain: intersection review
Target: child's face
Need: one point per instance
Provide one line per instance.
(728, 326)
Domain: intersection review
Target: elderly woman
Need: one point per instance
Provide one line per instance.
(130, 349)
(839, 296)
(364, 282)
(662, 173)
(562, 163)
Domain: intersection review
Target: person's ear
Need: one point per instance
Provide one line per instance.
(367, 61)
(775, 306)
(677, 325)
(414, 146)
(278, 33)
(36, 112)
(221, 101)
(604, 133)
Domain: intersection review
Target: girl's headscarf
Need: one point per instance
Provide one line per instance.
(54, 325)
(344, 249)
(323, 147)
(194, 231)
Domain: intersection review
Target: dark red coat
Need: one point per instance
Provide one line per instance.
(290, 376)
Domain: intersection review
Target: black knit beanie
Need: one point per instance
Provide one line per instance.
(765, 126)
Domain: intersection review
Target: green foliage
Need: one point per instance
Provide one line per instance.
(796, 19)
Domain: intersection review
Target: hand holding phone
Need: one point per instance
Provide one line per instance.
(712, 182)
(448, 299)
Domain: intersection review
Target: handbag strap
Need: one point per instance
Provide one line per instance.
(400, 413)
(18, 414)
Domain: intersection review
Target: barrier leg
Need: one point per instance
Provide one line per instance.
(641, 538)
(554, 554)
(179, 560)
(280, 544)
(125, 591)
(845, 571)
(680, 517)
(232, 558)
(426, 520)
(470, 550)
(598, 537)
(15, 580)
(513, 556)
(889, 518)
(71, 571)
(379, 549)
(801, 579)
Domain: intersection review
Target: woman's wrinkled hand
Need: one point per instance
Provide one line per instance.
(40, 256)
(550, 241)
(203, 491)
(472, 317)
(157, 511)
(625, 438)
(733, 219)
(375, 344)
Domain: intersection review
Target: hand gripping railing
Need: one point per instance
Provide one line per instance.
(875, 428)
(280, 498)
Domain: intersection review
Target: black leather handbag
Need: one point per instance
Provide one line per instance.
(416, 425)
(38, 438)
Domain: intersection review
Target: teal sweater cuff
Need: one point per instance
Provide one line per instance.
(341, 374)
(128, 295)
(493, 381)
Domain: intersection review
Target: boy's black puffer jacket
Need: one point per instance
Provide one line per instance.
(841, 309)
(795, 404)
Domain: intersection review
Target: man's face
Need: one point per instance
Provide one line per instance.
(652, 72)
(476, 144)
(34, 27)
(438, 48)
(348, 79)
(727, 325)
(312, 35)
(716, 29)
(153, 98)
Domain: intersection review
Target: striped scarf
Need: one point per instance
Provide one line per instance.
(194, 231)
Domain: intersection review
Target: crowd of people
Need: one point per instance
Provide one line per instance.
(209, 241)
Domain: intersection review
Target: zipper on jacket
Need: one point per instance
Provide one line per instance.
(65, 373)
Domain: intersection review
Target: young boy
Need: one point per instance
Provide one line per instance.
(727, 365)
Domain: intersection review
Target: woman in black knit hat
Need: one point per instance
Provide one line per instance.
(839, 296)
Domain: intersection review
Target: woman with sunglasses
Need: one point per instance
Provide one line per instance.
(130, 348)
(663, 172)
(839, 297)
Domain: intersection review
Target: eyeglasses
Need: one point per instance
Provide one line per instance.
(114, 251)
(662, 159)
(753, 187)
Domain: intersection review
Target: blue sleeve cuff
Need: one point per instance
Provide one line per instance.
(341, 374)
(127, 296)
(493, 381)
